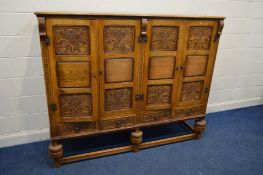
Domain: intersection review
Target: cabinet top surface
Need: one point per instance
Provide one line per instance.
(42, 13)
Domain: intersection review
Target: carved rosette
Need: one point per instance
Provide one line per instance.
(191, 91)
(117, 123)
(116, 99)
(119, 38)
(164, 38)
(159, 94)
(199, 37)
(157, 116)
(76, 105)
(72, 40)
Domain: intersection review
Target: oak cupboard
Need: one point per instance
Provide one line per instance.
(113, 72)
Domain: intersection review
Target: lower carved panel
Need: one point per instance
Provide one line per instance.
(157, 116)
(75, 105)
(116, 99)
(117, 123)
(75, 128)
(160, 94)
(191, 91)
(190, 111)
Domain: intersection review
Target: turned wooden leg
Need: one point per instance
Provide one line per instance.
(136, 140)
(199, 127)
(56, 152)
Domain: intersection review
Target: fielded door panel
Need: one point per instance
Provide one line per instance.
(162, 58)
(74, 68)
(118, 64)
(197, 62)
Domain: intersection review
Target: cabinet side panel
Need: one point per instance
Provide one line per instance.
(213, 53)
(46, 69)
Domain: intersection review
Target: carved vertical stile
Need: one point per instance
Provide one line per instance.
(46, 69)
(143, 32)
(213, 55)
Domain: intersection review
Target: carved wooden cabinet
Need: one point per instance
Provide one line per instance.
(107, 72)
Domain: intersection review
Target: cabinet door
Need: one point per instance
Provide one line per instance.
(74, 68)
(118, 54)
(162, 57)
(197, 62)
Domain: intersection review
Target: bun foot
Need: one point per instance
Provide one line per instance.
(199, 127)
(136, 140)
(56, 152)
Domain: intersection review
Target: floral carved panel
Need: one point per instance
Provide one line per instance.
(119, 39)
(76, 105)
(117, 123)
(76, 128)
(157, 116)
(199, 37)
(191, 91)
(160, 94)
(72, 40)
(164, 38)
(189, 111)
(116, 99)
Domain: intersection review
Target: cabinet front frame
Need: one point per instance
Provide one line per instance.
(98, 65)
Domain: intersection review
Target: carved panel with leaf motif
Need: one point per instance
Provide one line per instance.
(164, 38)
(72, 40)
(116, 99)
(117, 123)
(159, 94)
(76, 128)
(76, 105)
(191, 91)
(185, 112)
(199, 37)
(157, 116)
(119, 39)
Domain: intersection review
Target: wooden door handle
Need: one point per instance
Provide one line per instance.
(179, 68)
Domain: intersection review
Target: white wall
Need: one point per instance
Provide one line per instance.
(237, 82)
